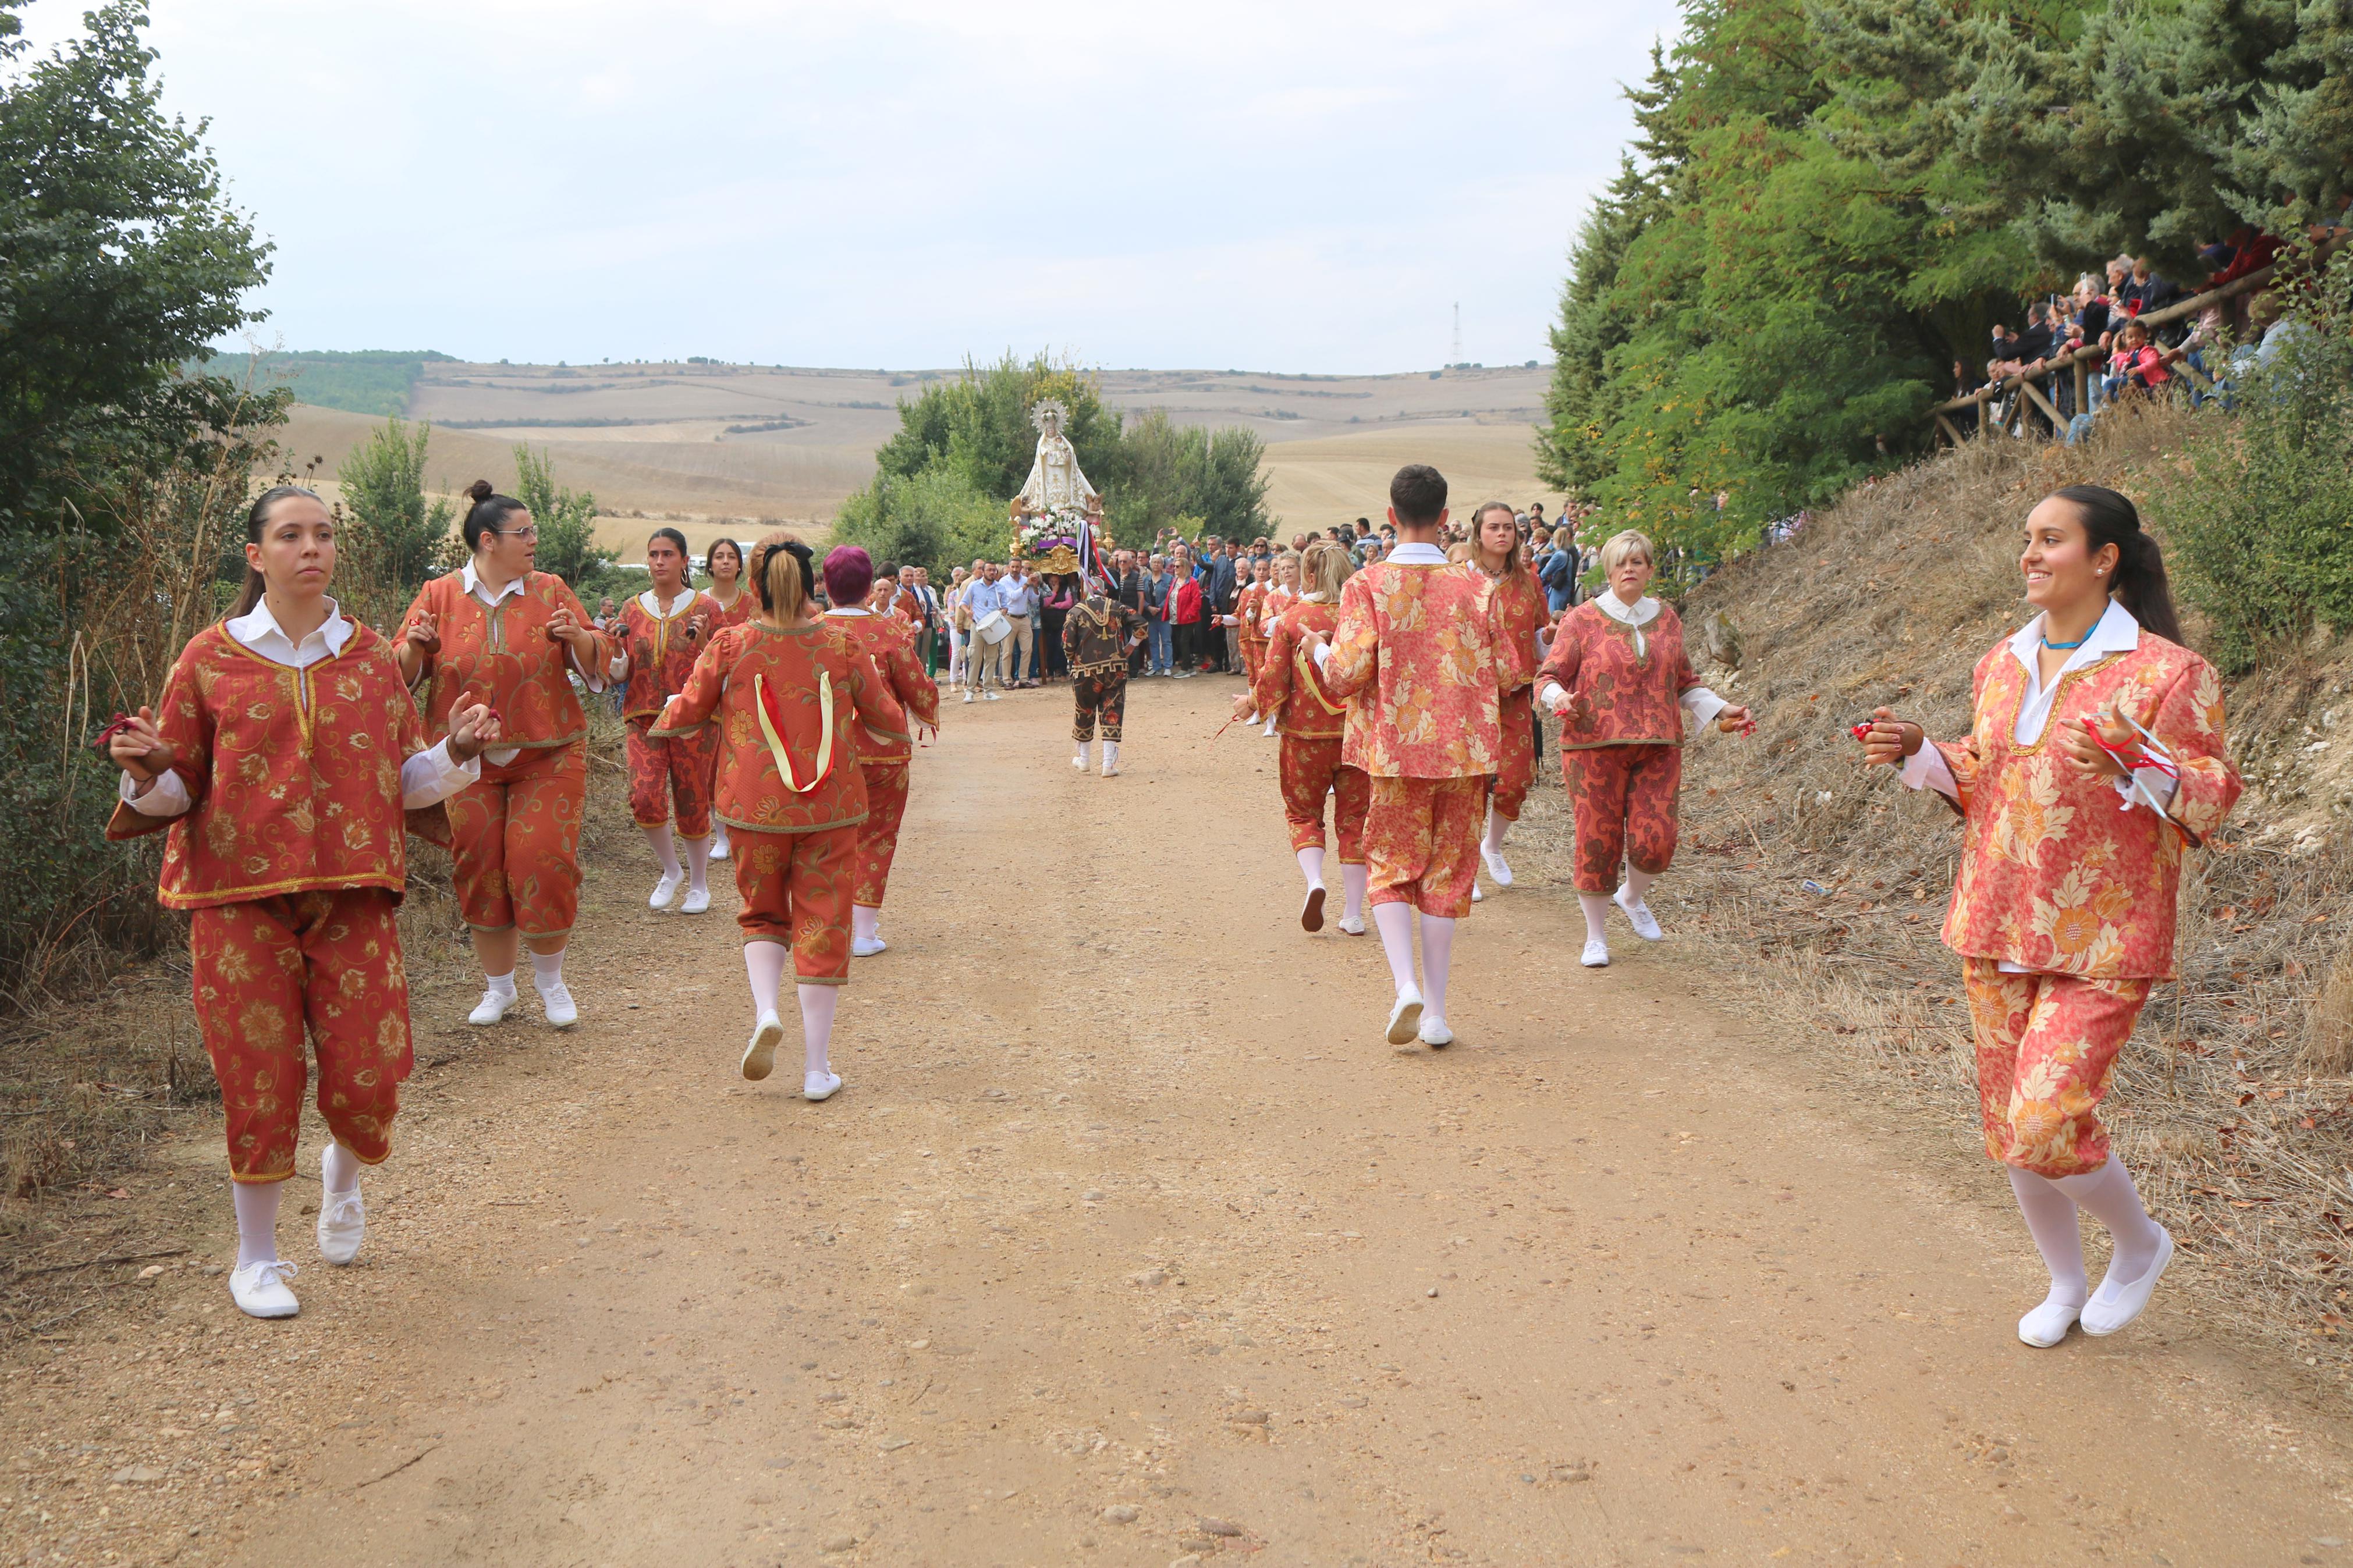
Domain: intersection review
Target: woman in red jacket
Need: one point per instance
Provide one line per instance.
(1186, 615)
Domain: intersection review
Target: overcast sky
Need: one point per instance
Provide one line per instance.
(900, 183)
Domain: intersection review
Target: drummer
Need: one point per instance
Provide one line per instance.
(983, 602)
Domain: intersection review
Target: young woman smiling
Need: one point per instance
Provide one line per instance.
(1498, 557)
(2095, 756)
(724, 564)
(495, 631)
(662, 631)
(283, 758)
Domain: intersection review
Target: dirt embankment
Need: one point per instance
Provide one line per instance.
(1827, 884)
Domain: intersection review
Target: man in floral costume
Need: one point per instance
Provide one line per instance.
(1422, 655)
(1098, 634)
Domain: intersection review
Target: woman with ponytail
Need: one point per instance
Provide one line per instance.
(287, 761)
(783, 697)
(496, 631)
(662, 631)
(2095, 758)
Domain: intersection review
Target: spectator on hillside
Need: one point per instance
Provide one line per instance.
(1557, 571)
(2139, 366)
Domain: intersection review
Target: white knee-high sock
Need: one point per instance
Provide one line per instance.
(865, 924)
(1080, 756)
(1311, 863)
(1436, 956)
(665, 848)
(256, 1221)
(1395, 922)
(547, 969)
(2051, 1220)
(764, 963)
(1497, 826)
(339, 1168)
(1352, 890)
(1596, 915)
(698, 864)
(817, 1002)
(1638, 883)
(2109, 1194)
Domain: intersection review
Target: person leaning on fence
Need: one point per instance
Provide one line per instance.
(286, 800)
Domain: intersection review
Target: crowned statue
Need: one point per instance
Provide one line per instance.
(1058, 516)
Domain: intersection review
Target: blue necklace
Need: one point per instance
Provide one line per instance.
(2079, 642)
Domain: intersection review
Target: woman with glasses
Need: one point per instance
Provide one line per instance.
(495, 631)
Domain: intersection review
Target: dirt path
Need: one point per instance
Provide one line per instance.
(1129, 1240)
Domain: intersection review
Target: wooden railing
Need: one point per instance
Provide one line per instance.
(2079, 364)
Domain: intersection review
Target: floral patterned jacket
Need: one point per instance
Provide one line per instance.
(2056, 873)
(1422, 650)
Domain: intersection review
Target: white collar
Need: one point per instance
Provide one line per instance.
(1417, 555)
(473, 582)
(258, 626)
(849, 610)
(2115, 632)
(653, 603)
(1641, 612)
(1316, 597)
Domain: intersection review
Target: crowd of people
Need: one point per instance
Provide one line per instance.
(2115, 314)
(1411, 672)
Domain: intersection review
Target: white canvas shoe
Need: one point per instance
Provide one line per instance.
(1110, 760)
(1497, 866)
(556, 1002)
(259, 1289)
(665, 890)
(1646, 924)
(1354, 925)
(867, 946)
(1478, 895)
(698, 901)
(967, 694)
(1080, 762)
(1310, 913)
(819, 1085)
(2115, 1305)
(2047, 1325)
(760, 1055)
(1597, 953)
(1435, 1033)
(719, 845)
(491, 1008)
(992, 697)
(342, 1224)
(1405, 1018)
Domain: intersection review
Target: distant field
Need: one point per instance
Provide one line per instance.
(714, 448)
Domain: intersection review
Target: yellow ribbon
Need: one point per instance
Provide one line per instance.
(1307, 678)
(777, 743)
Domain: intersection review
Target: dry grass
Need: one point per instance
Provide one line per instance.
(2233, 1107)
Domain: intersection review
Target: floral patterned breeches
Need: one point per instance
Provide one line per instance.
(878, 836)
(267, 973)
(796, 893)
(679, 768)
(1312, 769)
(1515, 770)
(514, 835)
(2047, 1044)
(1421, 842)
(1098, 694)
(1625, 801)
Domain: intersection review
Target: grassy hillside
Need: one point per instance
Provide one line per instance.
(2231, 1106)
(371, 381)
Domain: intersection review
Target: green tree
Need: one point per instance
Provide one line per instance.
(119, 470)
(932, 518)
(566, 521)
(402, 535)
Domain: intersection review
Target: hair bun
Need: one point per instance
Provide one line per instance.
(479, 491)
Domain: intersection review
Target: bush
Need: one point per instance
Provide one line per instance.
(2259, 519)
(567, 528)
(400, 536)
(934, 519)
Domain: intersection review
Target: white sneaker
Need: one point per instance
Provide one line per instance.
(1269, 730)
(719, 845)
(491, 1008)
(867, 946)
(342, 1222)
(1080, 762)
(992, 697)
(259, 1289)
(1310, 913)
(1435, 1033)
(1497, 866)
(967, 694)
(698, 901)
(2113, 1305)
(1478, 895)
(556, 1002)
(1352, 925)
(1110, 760)
(1646, 924)
(819, 1085)
(665, 890)
(2047, 1325)
(760, 1055)
(1405, 1018)
(1597, 953)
